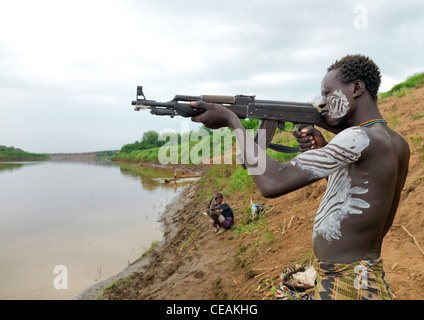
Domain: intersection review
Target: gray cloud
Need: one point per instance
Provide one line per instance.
(69, 69)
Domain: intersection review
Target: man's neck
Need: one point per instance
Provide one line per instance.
(366, 111)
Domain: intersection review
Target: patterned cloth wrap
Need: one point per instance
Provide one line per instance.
(227, 223)
(285, 292)
(361, 280)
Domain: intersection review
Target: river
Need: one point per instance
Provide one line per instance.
(67, 225)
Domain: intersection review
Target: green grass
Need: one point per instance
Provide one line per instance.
(240, 180)
(283, 157)
(403, 88)
(417, 116)
(393, 119)
(418, 143)
(258, 227)
(148, 155)
(253, 235)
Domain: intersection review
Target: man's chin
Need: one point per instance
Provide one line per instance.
(332, 122)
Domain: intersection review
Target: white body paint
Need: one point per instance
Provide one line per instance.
(339, 105)
(337, 204)
(333, 161)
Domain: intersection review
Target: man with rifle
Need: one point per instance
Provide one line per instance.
(366, 165)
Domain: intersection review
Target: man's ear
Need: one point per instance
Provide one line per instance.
(358, 88)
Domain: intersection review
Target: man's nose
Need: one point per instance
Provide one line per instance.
(322, 103)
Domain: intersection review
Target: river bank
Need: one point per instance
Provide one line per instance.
(192, 262)
(163, 259)
(173, 268)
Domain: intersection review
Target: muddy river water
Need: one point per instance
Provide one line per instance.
(66, 225)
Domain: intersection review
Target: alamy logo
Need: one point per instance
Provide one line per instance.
(360, 22)
(361, 280)
(61, 280)
(203, 147)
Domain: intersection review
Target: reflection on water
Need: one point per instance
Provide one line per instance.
(153, 178)
(10, 166)
(93, 218)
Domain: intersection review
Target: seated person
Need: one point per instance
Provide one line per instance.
(221, 213)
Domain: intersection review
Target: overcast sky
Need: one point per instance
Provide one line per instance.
(69, 69)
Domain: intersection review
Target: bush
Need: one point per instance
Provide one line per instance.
(11, 153)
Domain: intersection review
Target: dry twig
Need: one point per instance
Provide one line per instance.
(412, 236)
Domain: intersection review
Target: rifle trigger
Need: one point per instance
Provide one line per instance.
(293, 128)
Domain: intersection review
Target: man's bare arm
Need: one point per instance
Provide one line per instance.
(272, 178)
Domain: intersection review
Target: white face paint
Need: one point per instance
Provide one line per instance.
(333, 160)
(339, 105)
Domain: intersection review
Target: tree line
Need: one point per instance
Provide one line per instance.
(151, 139)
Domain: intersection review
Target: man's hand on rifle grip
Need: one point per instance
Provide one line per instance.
(309, 138)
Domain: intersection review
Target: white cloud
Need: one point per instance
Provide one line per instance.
(388, 82)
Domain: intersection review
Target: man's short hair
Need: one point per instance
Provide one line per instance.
(358, 67)
(219, 195)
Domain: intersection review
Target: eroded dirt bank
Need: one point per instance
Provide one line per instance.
(194, 263)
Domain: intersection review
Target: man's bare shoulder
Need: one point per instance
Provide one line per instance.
(385, 141)
(343, 150)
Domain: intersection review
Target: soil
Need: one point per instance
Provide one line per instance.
(192, 262)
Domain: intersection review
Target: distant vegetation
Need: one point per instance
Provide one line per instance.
(105, 155)
(148, 148)
(15, 154)
(149, 140)
(403, 88)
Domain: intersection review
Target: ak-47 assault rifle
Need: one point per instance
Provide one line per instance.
(272, 114)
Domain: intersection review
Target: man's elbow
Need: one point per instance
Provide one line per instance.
(272, 185)
(269, 192)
